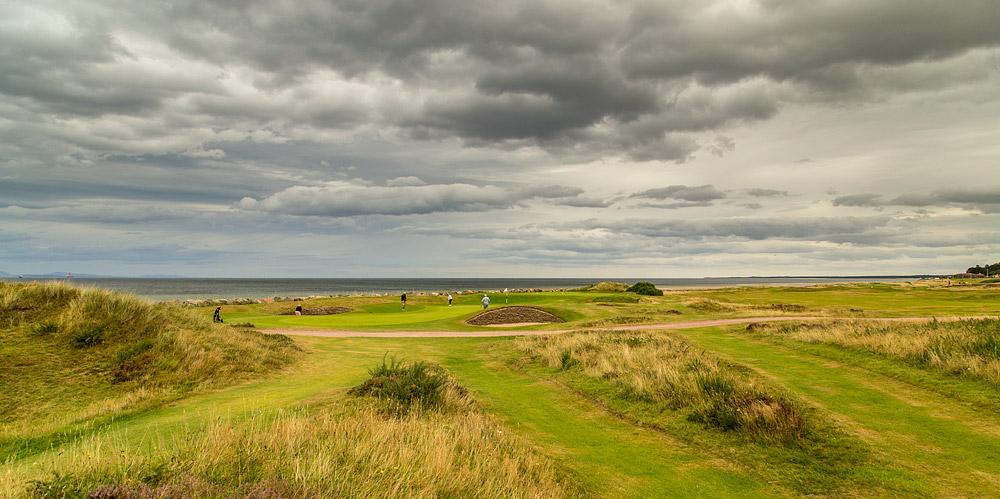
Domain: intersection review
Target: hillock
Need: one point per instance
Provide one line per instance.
(72, 354)
(605, 287)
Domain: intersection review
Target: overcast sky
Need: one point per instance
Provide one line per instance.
(423, 138)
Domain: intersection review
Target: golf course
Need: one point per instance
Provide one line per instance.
(847, 390)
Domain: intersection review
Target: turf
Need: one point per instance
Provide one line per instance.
(929, 434)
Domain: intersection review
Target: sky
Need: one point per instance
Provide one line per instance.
(433, 138)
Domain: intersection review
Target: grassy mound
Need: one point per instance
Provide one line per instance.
(605, 287)
(72, 354)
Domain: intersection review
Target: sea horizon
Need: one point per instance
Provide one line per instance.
(202, 288)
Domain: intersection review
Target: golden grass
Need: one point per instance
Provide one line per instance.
(354, 450)
(669, 371)
(75, 354)
(968, 348)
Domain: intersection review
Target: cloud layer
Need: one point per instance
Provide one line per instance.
(741, 137)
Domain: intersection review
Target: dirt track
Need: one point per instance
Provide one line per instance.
(508, 332)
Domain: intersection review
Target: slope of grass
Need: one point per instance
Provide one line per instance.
(665, 382)
(353, 447)
(944, 446)
(76, 358)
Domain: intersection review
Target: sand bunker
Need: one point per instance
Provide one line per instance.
(513, 315)
(319, 311)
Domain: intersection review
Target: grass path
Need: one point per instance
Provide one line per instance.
(609, 457)
(500, 332)
(612, 458)
(951, 448)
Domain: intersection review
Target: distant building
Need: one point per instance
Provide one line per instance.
(966, 275)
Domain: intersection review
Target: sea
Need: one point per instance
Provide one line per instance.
(181, 289)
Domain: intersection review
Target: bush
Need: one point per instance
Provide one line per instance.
(417, 384)
(645, 288)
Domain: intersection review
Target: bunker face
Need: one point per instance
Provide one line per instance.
(513, 315)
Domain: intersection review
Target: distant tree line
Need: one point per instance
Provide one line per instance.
(994, 269)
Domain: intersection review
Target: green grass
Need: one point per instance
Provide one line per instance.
(875, 425)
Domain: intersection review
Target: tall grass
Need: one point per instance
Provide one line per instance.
(668, 371)
(74, 354)
(354, 449)
(967, 348)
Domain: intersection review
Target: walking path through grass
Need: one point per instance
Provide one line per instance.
(949, 446)
(336, 333)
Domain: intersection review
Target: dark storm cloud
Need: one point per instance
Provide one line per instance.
(694, 194)
(579, 78)
(824, 43)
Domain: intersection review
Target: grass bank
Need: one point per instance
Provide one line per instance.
(76, 358)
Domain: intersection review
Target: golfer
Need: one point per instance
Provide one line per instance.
(403, 299)
(449, 299)
(486, 302)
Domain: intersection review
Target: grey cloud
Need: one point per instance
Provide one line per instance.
(347, 200)
(986, 200)
(579, 79)
(862, 200)
(818, 42)
(675, 206)
(694, 194)
(765, 193)
(97, 213)
(584, 202)
(822, 228)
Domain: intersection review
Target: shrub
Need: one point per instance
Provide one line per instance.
(645, 288)
(417, 384)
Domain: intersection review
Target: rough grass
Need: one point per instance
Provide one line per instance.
(74, 354)
(418, 385)
(605, 287)
(662, 381)
(669, 371)
(966, 348)
(346, 450)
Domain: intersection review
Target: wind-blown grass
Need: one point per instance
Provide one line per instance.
(75, 354)
(669, 371)
(663, 381)
(966, 348)
(347, 450)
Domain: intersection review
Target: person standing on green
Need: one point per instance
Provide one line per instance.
(486, 302)
(403, 299)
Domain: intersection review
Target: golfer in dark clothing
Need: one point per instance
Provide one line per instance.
(403, 299)
(217, 317)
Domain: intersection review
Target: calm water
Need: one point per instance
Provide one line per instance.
(183, 289)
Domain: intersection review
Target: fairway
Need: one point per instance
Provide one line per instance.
(905, 431)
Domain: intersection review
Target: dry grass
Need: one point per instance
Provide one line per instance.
(968, 348)
(75, 354)
(668, 371)
(352, 450)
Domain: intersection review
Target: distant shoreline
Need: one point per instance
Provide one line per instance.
(183, 289)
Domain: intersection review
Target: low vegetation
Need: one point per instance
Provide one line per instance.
(442, 446)
(966, 348)
(72, 355)
(664, 381)
(418, 385)
(645, 288)
(605, 287)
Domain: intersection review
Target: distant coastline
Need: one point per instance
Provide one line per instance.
(192, 288)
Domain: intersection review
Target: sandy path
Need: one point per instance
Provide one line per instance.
(331, 333)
